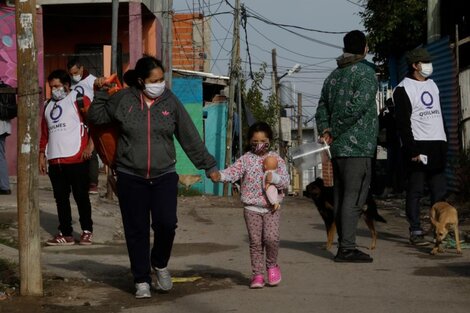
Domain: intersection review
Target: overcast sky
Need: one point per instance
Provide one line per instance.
(316, 53)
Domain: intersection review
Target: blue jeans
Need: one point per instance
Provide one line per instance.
(416, 180)
(4, 180)
(140, 199)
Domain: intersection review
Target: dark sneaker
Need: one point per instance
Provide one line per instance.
(418, 240)
(93, 189)
(61, 240)
(352, 256)
(86, 238)
(5, 192)
(164, 281)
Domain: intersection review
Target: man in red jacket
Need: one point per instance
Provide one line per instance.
(66, 146)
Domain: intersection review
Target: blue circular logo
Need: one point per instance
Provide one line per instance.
(427, 100)
(55, 113)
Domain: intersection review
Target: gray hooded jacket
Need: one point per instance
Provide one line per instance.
(146, 142)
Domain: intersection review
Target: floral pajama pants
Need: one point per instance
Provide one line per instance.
(263, 233)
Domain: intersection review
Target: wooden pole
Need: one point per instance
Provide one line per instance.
(28, 112)
(233, 82)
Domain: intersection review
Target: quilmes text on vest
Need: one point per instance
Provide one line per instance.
(57, 127)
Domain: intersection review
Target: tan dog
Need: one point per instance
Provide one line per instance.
(444, 217)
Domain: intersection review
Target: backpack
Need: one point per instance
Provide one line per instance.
(8, 107)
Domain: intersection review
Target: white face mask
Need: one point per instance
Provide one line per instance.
(426, 70)
(76, 78)
(58, 93)
(154, 90)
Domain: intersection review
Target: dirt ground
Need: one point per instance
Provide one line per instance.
(112, 290)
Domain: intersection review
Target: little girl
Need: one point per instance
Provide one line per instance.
(262, 222)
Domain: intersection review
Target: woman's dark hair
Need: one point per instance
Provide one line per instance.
(259, 127)
(130, 78)
(142, 70)
(61, 75)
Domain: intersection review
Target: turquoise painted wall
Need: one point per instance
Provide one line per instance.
(211, 122)
(189, 92)
(215, 138)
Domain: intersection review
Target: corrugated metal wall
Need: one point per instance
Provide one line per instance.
(464, 78)
(445, 76)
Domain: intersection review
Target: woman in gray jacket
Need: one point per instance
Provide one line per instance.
(148, 117)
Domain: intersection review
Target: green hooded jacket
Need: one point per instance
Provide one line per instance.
(347, 108)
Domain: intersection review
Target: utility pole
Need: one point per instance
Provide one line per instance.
(28, 111)
(276, 92)
(299, 136)
(167, 34)
(114, 67)
(234, 73)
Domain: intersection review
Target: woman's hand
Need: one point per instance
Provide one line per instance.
(215, 176)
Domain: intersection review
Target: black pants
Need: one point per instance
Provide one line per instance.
(436, 181)
(66, 178)
(140, 199)
(94, 168)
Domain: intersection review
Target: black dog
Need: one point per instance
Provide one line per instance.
(323, 198)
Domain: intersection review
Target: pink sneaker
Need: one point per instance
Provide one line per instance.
(257, 281)
(274, 275)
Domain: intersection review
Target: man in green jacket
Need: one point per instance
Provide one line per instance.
(347, 120)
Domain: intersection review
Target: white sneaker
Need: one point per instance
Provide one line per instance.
(164, 281)
(142, 290)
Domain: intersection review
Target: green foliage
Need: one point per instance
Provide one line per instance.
(266, 111)
(394, 26)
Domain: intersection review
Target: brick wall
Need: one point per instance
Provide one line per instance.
(188, 48)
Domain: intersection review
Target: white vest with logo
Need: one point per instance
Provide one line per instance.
(88, 86)
(65, 127)
(426, 114)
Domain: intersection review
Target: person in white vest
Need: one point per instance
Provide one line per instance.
(420, 125)
(66, 147)
(86, 83)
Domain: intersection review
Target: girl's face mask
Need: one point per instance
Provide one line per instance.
(260, 148)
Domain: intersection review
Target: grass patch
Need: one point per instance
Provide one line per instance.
(8, 275)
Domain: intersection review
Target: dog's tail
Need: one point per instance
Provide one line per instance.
(372, 211)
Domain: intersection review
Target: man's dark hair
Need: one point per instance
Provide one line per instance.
(354, 42)
(61, 75)
(75, 61)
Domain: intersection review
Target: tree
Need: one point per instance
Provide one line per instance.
(394, 26)
(266, 111)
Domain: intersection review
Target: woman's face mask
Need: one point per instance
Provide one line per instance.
(58, 93)
(260, 148)
(154, 90)
(426, 69)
